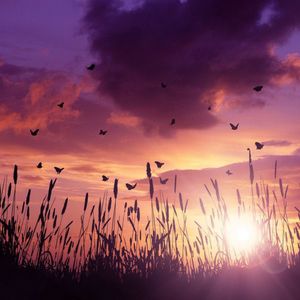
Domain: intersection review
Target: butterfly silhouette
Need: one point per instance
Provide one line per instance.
(163, 181)
(130, 186)
(104, 178)
(102, 132)
(258, 88)
(58, 170)
(259, 146)
(39, 165)
(91, 67)
(234, 127)
(34, 132)
(228, 172)
(159, 164)
(163, 85)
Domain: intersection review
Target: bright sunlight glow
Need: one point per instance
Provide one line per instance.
(242, 235)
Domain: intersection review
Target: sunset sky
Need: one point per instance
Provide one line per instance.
(208, 53)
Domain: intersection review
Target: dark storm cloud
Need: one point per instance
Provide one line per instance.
(196, 47)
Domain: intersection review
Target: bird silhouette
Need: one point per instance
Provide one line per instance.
(39, 165)
(102, 132)
(58, 170)
(173, 121)
(34, 132)
(209, 108)
(61, 105)
(259, 146)
(163, 181)
(159, 164)
(104, 178)
(234, 127)
(130, 186)
(258, 88)
(228, 172)
(163, 85)
(91, 67)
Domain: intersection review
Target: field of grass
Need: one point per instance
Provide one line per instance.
(159, 255)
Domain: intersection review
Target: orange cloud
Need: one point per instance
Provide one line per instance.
(39, 96)
(292, 66)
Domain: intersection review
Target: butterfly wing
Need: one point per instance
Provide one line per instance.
(159, 164)
(258, 145)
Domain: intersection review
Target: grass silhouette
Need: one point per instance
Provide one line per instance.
(120, 257)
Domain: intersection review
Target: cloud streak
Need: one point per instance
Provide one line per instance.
(277, 143)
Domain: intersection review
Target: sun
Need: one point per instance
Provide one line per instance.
(241, 235)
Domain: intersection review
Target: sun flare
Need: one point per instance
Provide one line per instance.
(242, 235)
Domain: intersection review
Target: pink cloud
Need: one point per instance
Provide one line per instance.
(123, 118)
(291, 64)
(30, 99)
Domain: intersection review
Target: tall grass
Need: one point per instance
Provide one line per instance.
(129, 243)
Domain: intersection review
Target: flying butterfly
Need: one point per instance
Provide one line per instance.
(234, 127)
(258, 88)
(259, 146)
(102, 132)
(34, 132)
(91, 67)
(228, 172)
(163, 85)
(130, 186)
(163, 181)
(58, 170)
(159, 164)
(104, 178)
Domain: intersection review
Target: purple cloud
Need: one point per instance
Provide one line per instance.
(196, 47)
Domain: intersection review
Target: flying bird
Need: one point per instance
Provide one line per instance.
(58, 170)
(102, 132)
(61, 105)
(173, 121)
(258, 88)
(259, 146)
(228, 172)
(159, 164)
(39, 165)
(104, 178)
(234, 127)
(209, 108)
(163, 181)
(130, 186)
(91, 67)
(163, 85)
(34, 132)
